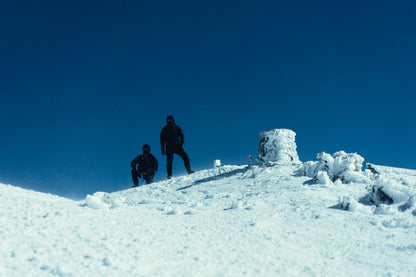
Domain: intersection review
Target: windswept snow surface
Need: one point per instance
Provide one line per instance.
(278, 224)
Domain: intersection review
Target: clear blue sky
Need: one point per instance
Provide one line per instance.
(84, 84)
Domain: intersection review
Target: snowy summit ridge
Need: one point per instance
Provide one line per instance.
(319, 218)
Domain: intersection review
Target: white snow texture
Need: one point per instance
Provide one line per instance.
(221, 222)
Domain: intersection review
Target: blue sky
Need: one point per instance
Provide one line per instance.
(84, 84)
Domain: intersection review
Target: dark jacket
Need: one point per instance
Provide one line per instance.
(147, 163)
(172, 137)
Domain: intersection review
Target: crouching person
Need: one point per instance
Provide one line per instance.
(144, 166)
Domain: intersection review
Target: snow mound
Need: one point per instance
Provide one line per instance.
(104, 200)
(340, 166)
(278, 145)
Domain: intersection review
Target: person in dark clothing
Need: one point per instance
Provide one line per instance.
(172, 142)
(145, 166)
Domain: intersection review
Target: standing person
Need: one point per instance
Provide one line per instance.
(172, 139)
(145, 166)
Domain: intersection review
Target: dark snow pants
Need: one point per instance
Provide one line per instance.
(169, 158)
(135, 174)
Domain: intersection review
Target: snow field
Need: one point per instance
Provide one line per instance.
(205, 224)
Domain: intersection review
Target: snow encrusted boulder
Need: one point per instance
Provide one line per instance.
(323, 178)
(390, 190)
(278, 146)
(339, 166)
(348, 203)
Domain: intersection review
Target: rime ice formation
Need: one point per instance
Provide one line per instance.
(342, 166)
(279, 146)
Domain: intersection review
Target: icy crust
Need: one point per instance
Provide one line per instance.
(339, 167)
(279, 146)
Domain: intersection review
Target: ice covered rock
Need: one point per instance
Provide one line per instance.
(389, 190)
(323, 178)
(339, 166)
(345, 163)
(278, 145)
(348, 203)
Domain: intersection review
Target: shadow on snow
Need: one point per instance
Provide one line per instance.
(216, 177)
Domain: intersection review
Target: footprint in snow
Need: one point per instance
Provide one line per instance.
(144, 202)
(172, 212)
(239, 204)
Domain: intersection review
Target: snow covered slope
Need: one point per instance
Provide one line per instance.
(387, 170)
(206, 224)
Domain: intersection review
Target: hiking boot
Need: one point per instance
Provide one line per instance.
(191, 171)
(169, 177)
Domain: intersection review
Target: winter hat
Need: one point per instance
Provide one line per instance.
(170, 118)
(146, 148)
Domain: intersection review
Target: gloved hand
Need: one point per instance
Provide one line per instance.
(163, 152)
